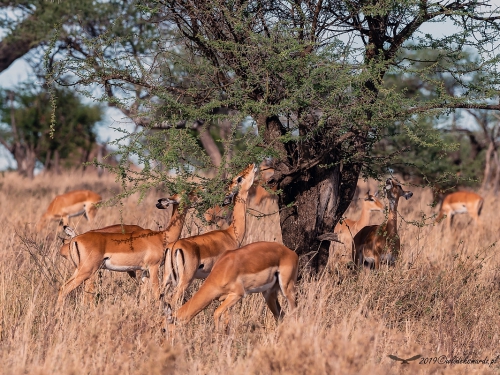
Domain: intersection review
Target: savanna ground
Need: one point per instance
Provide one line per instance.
(441, 299)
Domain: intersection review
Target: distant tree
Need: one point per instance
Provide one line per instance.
(308, 75)
(447, 149)
(26, 116)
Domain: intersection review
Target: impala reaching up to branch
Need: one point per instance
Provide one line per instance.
(376, 243)
(140, 250)
(73, 203)
(194, 257)
(260, 267)
(461, 202)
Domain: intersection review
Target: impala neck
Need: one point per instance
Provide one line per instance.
(392, 218)
(364, 219)
(238, 226)
(174, 227)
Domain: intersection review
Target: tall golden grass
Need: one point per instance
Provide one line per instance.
(441, 299)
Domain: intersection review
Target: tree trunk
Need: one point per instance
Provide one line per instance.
(314, 198)
(321, 198)
(487, 167)
(496, 181)
(46, 166)
(56, 163)
(26, 160)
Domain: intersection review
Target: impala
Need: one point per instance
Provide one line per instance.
(348, 228)
(193, 257)
(260, 267)
(140, 250)
(461, 202)
(376, 243)
(73, 203)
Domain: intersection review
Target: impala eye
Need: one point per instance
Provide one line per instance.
(239, 179)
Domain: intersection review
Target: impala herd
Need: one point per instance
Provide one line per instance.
(231, 271)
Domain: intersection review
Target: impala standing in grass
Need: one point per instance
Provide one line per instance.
(140, 250)
(461, 202)
(260, 267)
(73, 203)
(194, 257)
(376, 243)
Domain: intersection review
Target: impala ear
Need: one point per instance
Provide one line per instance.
(69, 231)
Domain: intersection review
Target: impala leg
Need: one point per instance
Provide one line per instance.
(230, 300)
(78, 277)
(271, 297)
(65, 220)
(450, 220)
(90, 212)
(287, 278)
(155, 280)
(89, 288)
(179, 293)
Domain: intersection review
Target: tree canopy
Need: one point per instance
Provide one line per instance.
(304, 82)
(27, 116)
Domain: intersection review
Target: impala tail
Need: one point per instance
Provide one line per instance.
(168, 277)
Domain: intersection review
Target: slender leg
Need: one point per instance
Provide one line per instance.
(450, 220)
(155, 281)
(271, 297)
(287, 279)
(228, 302)
(90, 212)
(65, 220)
(77, 278)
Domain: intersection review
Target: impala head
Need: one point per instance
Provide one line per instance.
(69, 231)
(243, 180)
(394, 191)
(372, 202)
(163, 203)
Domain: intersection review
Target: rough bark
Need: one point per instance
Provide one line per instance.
(25, 157)
(314, 197)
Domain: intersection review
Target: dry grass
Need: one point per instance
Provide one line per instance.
(442, 298)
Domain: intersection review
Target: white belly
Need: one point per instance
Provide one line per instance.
(460, 210)
(262, 288)
(108, 264)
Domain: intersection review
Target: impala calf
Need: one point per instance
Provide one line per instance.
(461, 202)
(140, 250)
(376, 243)
(260, 267)
(73, 203)
(193, 257)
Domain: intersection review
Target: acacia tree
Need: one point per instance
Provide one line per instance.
(308, 74)
(25, 132)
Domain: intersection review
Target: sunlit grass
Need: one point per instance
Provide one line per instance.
(442, 298)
